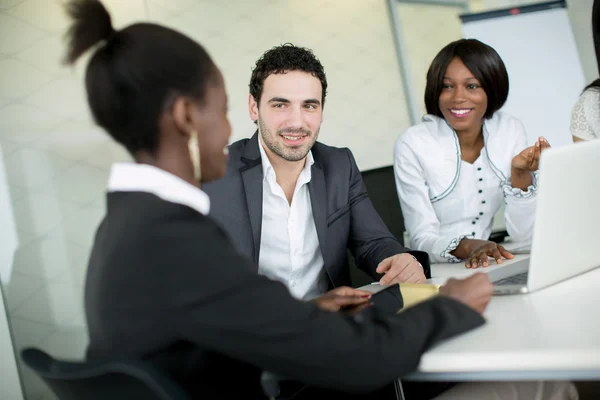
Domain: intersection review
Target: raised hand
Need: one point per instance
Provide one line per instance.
(529, 159)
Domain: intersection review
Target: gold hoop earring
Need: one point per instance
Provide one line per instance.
(194, 149)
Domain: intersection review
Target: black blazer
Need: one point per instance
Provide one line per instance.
(344, 215)
(165, 284)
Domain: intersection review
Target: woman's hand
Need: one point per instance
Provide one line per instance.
(342, 297)
(480, 254)
(529, 159)
(475, 252)
(526, 162)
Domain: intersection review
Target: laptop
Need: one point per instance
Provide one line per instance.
(566, 233)
(524, 249)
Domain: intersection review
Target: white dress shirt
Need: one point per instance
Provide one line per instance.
(132, 177)
(289, 246)
(445, 199)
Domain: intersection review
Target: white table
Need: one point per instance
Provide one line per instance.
(551, 334)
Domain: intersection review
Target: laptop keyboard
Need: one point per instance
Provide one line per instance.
(518, 279)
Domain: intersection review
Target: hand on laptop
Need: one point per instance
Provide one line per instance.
(480, 253)
(342, 297)
(475, 252)
(475, 291)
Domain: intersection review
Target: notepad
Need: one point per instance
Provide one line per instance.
(414, 293)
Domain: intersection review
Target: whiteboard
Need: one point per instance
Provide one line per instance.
(546, 78)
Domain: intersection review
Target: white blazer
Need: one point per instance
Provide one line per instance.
(445, 199)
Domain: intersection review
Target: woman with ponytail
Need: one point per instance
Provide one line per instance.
(164, 283)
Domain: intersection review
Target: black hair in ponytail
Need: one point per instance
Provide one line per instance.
(91, 24)
(135, 72)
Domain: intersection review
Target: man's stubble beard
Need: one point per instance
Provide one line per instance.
(287, 153)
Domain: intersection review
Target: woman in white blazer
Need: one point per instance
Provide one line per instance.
(455, 168)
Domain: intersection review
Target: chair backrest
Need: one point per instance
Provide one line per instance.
(381, 187)
(115, 380)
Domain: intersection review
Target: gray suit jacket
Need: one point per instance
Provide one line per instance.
(344, 215)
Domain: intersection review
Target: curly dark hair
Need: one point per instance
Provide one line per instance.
(282, 59)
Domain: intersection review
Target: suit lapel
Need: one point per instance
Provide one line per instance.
(318, 202)
(252, 176)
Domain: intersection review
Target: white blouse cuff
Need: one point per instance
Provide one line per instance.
(452, 246)
(519, 193)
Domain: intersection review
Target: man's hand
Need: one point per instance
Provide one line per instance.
(342, 297)
(475, 291)
(401, 268)
(479, 255)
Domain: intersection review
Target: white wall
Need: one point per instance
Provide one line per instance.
(580, 14)
(427, 29)
(10, 384)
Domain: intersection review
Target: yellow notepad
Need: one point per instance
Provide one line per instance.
(413, 293)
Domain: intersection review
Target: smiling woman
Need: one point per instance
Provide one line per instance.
(455, 169)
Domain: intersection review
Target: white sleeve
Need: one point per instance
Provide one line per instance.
(420, 218)
(581, 125)
(519, 213)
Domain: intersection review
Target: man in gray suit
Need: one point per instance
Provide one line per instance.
(294, 205)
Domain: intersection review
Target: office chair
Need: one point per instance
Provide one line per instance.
(381, 188)
(115, 380)
(270, 383)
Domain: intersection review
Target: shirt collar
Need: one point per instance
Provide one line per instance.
(132, 177)
(267, 166)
